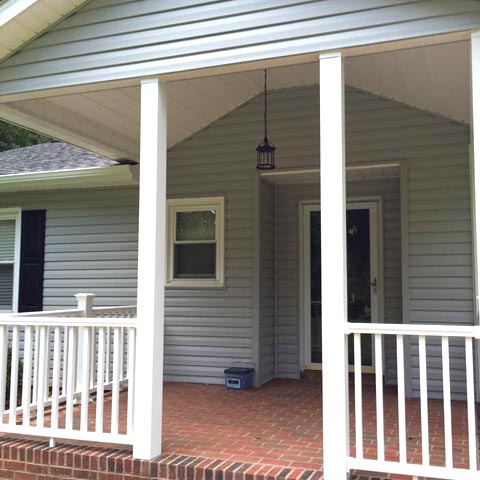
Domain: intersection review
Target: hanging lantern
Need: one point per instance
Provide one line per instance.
(265, 149)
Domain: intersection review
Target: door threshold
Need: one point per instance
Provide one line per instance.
(351, 369)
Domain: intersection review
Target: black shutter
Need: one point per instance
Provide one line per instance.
(32, 253)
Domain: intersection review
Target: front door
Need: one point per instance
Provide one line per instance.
(362, 274)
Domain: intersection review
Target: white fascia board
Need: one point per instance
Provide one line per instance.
(11, 8)
(117, 175)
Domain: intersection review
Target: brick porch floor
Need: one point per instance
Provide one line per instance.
(271, 433)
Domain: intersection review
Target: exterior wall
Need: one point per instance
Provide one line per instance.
(438, 268)
(266, 318)
(436, 241)
(90, 243)
(108, 40)
(91, 235)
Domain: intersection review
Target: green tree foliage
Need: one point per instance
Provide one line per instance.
(12, 136)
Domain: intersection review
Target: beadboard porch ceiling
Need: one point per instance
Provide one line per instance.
(433, 77)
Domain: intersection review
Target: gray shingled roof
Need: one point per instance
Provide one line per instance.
(49, 156)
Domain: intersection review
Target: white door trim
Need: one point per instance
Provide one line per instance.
(375, 204)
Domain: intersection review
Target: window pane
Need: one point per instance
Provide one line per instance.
(6, 287)
(195, 261)
(196, 225)
(7, 240)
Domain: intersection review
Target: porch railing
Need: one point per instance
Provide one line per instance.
(53, 363)
(418, 335)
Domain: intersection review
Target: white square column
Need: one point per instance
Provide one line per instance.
(334, 267)
(151, 271)
(475, 177)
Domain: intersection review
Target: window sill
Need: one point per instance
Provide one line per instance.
(195, 284)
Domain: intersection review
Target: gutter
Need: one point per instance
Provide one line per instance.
(114, 175)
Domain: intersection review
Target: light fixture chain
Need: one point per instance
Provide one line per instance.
(265, 95)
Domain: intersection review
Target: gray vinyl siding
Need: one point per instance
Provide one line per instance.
(288, 265)
(439, 283)
(440, 256)
(267, 282)
(208, 329)
(108, 40)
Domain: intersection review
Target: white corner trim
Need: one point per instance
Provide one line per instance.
(76, 178)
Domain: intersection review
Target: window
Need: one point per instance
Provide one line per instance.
(195, 247)
(9, 258)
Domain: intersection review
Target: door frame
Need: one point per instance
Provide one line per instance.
(376, 238)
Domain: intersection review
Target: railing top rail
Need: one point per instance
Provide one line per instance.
(415, 330)
(67, 321)
(109, 309)
(48, 313)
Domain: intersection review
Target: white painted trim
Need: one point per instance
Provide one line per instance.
(272, 175)
(197, 204)
(71, 178)
(14, 214)
(375, 206)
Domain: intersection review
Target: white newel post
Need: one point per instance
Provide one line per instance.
(151, 271)
(334, 267)
(85, 304)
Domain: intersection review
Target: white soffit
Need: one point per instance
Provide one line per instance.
(311, 175)
(23, 20)
(434, 78)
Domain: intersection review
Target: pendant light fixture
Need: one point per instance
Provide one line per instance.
(265, 149)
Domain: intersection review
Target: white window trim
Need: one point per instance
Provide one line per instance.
(197, 204)
(14, 214)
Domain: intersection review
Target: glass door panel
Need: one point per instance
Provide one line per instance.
(360, 284)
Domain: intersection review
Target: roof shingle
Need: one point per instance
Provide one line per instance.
(50, 156)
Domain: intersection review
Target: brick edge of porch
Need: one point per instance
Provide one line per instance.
(22, 459)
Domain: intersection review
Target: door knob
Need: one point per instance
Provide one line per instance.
(374, 286)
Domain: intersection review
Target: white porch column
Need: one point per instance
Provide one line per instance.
(475, 176)
(151, 271)
(334, 267)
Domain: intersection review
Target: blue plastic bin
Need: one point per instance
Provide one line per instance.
(239, 378)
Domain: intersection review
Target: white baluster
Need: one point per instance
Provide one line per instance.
(85, 380)
(131, 378)
(447, 405)
(357, 347)
(379, 397)
(116, 380)
(71, 383)
(27, 374)
(472, 431)
(100, 380)
(55, 377)
(42, 375)
(422, 353)
(3, 369)
(14, 377)
(402, 434)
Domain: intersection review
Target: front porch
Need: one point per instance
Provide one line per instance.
(273, 432)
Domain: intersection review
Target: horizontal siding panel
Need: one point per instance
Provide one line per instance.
(123, 42)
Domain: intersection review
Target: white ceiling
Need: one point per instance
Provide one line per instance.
(435, 78)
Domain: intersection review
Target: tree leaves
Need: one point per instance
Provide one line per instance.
(12, 136)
